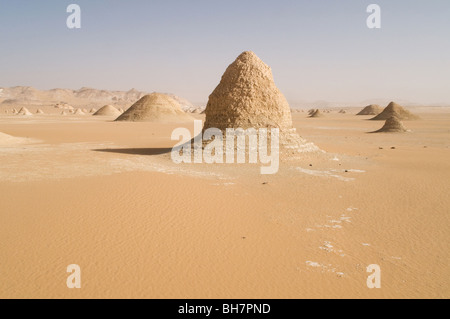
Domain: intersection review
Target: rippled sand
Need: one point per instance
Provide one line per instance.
(106, 196)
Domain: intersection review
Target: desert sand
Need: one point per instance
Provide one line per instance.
(99, 194)
(105, 195)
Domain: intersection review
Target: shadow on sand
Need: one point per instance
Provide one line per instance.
(136, 151)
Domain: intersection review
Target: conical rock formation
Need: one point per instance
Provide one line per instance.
(372, 109)
(316, 113)
(392, 125)
(155, 107)
(247, 97)
(107, 110)
(24, 111)
(393, 109)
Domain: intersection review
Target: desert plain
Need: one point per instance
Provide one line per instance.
(105, 195)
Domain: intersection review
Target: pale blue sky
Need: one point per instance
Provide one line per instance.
(318, 50)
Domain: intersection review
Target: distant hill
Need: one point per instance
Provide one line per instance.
(85, 97)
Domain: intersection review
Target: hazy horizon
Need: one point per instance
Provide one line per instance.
(318, 51)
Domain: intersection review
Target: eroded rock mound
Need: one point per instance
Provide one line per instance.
(393, 109)
(155, 107)
(107, 110)
(372, 109)
(392, 125)
(248, 98)
(316, 114)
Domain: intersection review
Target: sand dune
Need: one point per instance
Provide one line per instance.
(8, 140)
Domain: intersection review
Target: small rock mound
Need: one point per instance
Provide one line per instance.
(315, 114)
(393, 109)
(107, 110)
(25, 112)
(155, 107)
(372, 109)
(392, 125)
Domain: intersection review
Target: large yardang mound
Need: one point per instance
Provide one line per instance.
(155, 107)
(393, 109)
(316, 114)
(107, 110)
(247, 97)
(372, 109)
(392, 125)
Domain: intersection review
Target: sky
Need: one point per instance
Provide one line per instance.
(318, 50)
